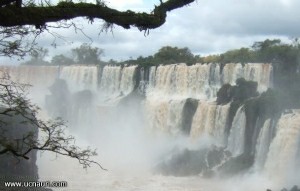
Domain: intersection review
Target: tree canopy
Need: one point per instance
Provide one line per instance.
(166, 55)
(85, 54)
(37, 57)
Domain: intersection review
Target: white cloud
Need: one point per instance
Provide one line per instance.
(121, 4)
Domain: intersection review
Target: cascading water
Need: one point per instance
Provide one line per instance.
(282, 161)
(165, 115)
(182, 81)
(210, 119)
(127, 79)
(168, 90)
(117, 82)
(204, 120)
(236, 139)
(41, 76)
(80, 77)
(263, 143)
(260, 73)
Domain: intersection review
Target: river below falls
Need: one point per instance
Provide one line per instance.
(129, 178)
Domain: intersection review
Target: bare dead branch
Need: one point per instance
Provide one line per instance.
(52, 136)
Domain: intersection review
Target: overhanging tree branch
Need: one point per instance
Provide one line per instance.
(22, 138)
(39, 16)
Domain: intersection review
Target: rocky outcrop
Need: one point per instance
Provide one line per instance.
(11, 167)
(188, 112)
(193, 162)
(243, 90)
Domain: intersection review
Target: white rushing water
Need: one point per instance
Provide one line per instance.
(41, 76)
(282, 162)
(196, 81)
(117, 82)
(236, 139)
(260, 73)
(263, 143)
(127, 140)
(80, 77)
(165, 115)
(210, 120)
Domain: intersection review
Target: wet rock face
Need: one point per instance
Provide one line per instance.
(242, 91)
(206, 162)
(59, 101)
(188, 112)
(294, 188)
(11, 167)
(193, 162)
(13, 128)
(236, 165)
(224, 95)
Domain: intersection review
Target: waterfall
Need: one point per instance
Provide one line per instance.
(39, 77)
(117, 82)
(127, 79)
(260, 73)
(166, 89)
(204, 119)
(199, 81)
(210, 120)
(262, 145)
(80, 77)
(236, 139)
(110, 80)
(283, 155)
(231, 72)
(165, 115)
(42, 76)
(169, 85)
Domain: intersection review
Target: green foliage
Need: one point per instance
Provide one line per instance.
(65, 4)
(172, 55)
(266, 44)
(242, 55)
(166, 55)
(62, 60)
(268, 51)
(37, 57)
(210, 59)
(85, 54)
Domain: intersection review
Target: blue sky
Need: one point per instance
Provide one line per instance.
(206, 26)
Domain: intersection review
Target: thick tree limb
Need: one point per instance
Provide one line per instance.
(39, 16)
